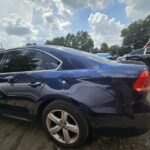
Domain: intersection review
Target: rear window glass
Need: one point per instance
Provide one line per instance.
(76, 59)
(51, 62)
(22, 60)
(84, 54)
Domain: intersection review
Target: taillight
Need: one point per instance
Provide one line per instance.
(142, 82)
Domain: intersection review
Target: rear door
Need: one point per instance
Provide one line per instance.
(21, 81)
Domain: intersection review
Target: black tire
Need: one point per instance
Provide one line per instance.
(78, 117)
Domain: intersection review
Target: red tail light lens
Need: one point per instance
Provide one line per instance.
(142, 82)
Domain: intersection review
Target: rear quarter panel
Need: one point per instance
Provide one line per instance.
(106, 90)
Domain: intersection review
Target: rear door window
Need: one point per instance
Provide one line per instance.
(22, 60)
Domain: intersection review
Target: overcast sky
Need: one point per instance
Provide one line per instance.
(23, 21)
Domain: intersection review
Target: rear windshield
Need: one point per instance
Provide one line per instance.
(96, 58)
(77, 59)
(85, 55)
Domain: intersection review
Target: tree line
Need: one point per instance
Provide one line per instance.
(134, 36)
(82, 40)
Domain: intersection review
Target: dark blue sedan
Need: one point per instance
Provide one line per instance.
(73, 93)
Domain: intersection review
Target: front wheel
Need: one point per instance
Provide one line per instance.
(65, 124)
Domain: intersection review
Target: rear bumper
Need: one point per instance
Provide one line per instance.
(138, 121)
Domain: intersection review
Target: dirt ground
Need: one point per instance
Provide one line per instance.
(20, 135)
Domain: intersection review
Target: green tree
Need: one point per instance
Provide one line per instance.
(48, 42)
(114, 49)
(84, 41)
(70, 41)
(104, 47)
(60, 41)
(136, 34)
(81, 40)
(95, 50)
(124, 50)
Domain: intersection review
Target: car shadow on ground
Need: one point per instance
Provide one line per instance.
(20, 135)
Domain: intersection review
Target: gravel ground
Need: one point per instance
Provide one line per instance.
(20, 135)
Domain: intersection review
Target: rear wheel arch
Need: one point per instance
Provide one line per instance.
(43, 104)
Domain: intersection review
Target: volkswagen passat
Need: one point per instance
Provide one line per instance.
(73, 93)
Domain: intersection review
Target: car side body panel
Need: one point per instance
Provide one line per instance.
(95, 90)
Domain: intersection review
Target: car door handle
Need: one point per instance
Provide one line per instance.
(34, 84)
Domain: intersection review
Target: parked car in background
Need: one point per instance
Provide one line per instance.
(122, 57)
(104, 55)
(73, 93)
(142, 54)
(137, 52)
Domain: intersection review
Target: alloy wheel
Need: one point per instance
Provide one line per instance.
(62, 126)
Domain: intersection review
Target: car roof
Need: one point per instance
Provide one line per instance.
(58, 51)
(50, 48)
(34, 46)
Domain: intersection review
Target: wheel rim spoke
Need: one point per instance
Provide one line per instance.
(72, 128)
(66, 136)
(62, 126)
(54, 118)
(64, 116)
(55, 129)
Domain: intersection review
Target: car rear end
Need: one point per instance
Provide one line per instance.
(131, 83)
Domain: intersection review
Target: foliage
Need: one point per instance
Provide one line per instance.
(70, 41)
(114, 49)
(104, 47)
(81, 40)
(136, 34)
(95, 50)
(124, 50)
(60, 41)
